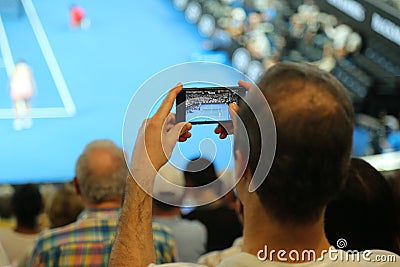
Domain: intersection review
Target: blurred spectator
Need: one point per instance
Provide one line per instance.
(65, 206)
(235, 27)
(6, 218)
(269, 12)
(190, 236)
(222, 223)
(27, 204)
(328, 61)
(100, 175)
(393, 136)
(363, 213)
(219, 40)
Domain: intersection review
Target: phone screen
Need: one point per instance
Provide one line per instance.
(207, 105)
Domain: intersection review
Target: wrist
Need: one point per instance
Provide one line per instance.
(143, 179)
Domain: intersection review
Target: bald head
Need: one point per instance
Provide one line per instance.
(101, 171)
(314, 125)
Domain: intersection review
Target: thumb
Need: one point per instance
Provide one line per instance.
(233, 109)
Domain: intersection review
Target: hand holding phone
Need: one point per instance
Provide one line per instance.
(207, 105)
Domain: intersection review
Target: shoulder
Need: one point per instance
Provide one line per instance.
(49, 238)
(240, 260)
(215, 257)
(195, 225)
(162, 235)
(381, 258)
(161, 229)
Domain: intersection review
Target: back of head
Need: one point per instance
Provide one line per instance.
(65, 206)
(363, 213)
(168, 187)
(101, 171)
(27, 204)
(199, 172)
(314, 124)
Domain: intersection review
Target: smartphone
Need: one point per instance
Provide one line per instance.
(207, 105)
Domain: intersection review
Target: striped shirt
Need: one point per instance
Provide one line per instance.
(88, 241)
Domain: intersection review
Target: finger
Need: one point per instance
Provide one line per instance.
(185, 136)
(186, 128)
(223, 135)
(245, 85)
(180, 129)
(165, 108)
(219, 129)
(233, 107)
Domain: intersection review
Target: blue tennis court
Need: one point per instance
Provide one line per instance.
(85, 78)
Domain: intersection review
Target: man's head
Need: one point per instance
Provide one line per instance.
(65, 206)
(314, 125)
(27, 204)
(101, 171)
(366, 202)
(168, 188)
(200, 172)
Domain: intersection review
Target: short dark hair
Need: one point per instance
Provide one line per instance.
(65, 206)
(314, 126)
(27, 204)
(363, 213)
(199, 172)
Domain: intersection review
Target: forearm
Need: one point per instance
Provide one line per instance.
(133, 245)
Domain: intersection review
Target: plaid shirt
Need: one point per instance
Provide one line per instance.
(88, 242)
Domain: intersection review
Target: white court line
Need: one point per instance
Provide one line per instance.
(37, 113)
(49, 57)
(5, 50)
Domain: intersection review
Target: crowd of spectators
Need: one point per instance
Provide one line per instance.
(194, 99)
(83, 215)
(255, 35)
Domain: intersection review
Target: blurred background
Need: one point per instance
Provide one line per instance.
(85, 75)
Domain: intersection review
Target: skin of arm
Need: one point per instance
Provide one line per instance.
(133, 245)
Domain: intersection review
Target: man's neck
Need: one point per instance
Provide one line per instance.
(261, 232)
(103, 205)
(27, 230)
